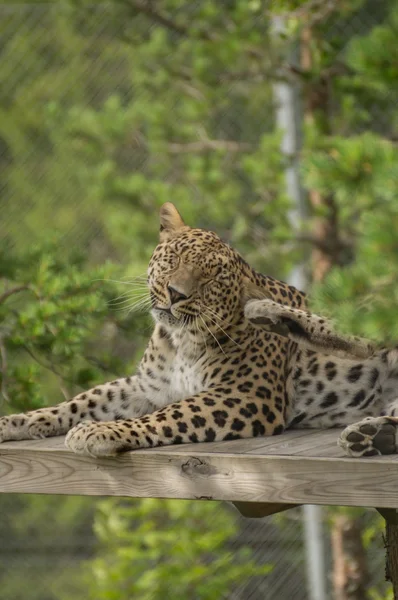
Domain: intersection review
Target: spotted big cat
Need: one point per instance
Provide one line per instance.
(233, 354)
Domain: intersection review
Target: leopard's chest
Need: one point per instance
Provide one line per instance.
(186, 378)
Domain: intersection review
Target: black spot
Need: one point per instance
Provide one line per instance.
(369, 401)
(278, 430)
(177, 439)
(265, 409)
(177, 415)
(215, 372)
(161, 417)
(109, 395)
(210, 435)
(374, 375)
(271, 417)
(97, 392)
(263, 392)
(331, 374)
(208, 401)
(193, 438)
(297, 419)
(258, 428)
(195, 408)
(320, 386)
(168, 432)
(305, 383)
(182, 427)
(354, 373)
(358, 398)
(237, 425)
(329, 400)
(73, 408)
(198, 421)
(220, 417)
(245, 413)
(245, 387)
(230, 402)
(252, 407)
(232, 436)
(313, 370)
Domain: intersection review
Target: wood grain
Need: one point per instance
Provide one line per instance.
(295, 468)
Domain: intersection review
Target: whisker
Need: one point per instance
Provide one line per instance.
(142, 305)
(203, 336)
(131, 301)
(130, 282)
(212, 334)
(130, 296)
(223, 331)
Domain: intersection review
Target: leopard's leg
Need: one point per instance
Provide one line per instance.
(306, 328)
(205, 417)
(115, 400)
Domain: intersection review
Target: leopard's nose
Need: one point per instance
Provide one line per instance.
(175, 295)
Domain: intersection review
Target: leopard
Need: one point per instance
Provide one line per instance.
(233, 354)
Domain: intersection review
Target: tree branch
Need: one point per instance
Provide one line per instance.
(3, 371)
(313, 11)
(12, 291)
(207, 145)
(146, 8)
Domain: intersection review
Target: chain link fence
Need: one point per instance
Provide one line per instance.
(31, 48)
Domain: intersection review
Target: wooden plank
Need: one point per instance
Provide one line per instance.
(194, 471)
(260, 445)
(259, 510)
(310, 441)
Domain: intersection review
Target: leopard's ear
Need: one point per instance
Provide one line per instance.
(171, 223)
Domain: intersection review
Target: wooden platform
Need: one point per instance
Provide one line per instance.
(298, 467)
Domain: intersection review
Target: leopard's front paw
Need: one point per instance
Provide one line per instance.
(372, 436)
(29, 427)
(269, 314)
(98, 439)
(13, 427)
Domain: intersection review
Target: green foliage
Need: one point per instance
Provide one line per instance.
(52, 311)
(105, 113)
(160, 549)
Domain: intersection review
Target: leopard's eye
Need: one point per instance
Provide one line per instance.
(167, 262)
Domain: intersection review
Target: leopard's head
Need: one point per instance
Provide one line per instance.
(195, 279)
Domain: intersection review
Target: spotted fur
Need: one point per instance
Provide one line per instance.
(234, 354)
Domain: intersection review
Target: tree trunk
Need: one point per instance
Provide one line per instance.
(350, 574)
(327, 247)
(392, 556)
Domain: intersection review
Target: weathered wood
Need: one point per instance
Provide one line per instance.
(281, 470)
(390, 515)
(258, 510)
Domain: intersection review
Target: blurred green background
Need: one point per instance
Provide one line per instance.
(107, 110)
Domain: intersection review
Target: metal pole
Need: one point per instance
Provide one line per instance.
(288, 120)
